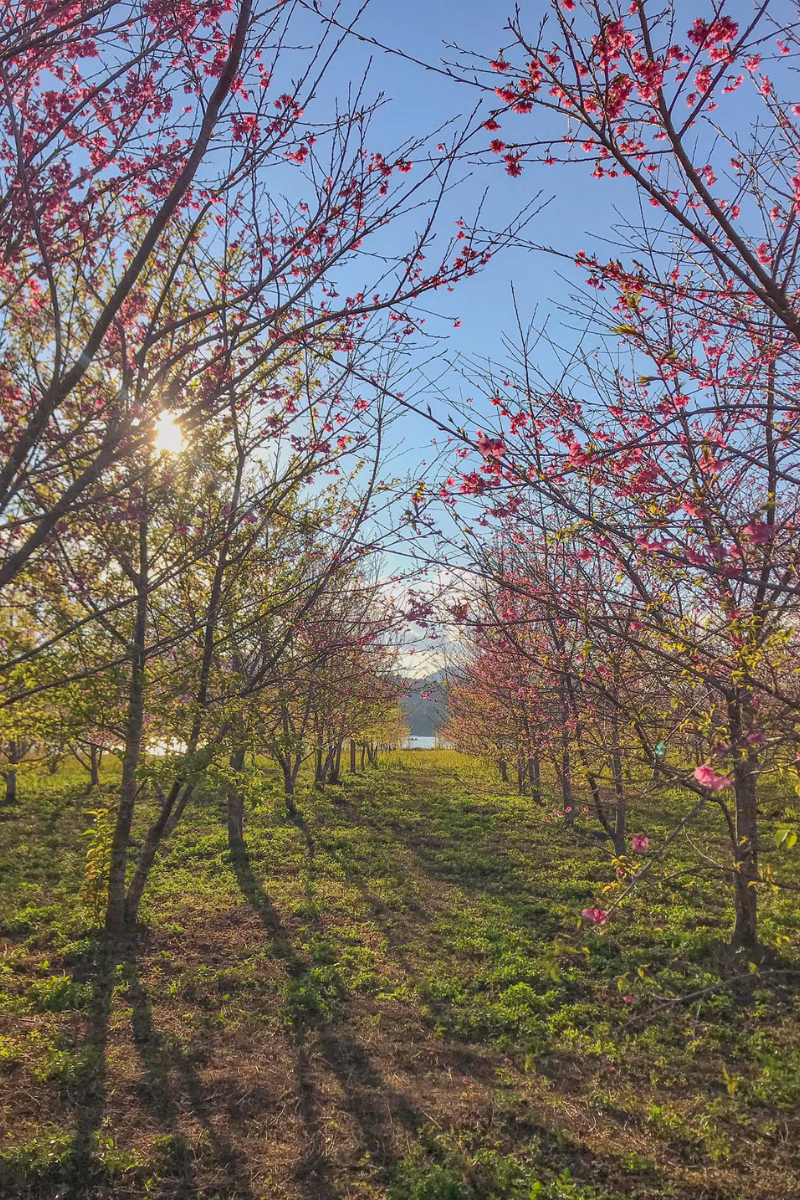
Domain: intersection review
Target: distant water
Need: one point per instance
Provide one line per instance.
(421, 743)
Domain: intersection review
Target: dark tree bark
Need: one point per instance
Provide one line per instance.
(337, 764)
(534, 778)
(566, 779)
(115, 912)
(745, 875)
(235, 801)
(11, 785)
(172, 806)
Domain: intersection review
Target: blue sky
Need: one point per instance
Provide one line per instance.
(581, 216)
(418, 101)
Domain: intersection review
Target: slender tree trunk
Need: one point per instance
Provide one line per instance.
(522, 785)
(177, 812)
(115, 912)
(594, 788)
(534, 778)
(502, 767)
(172, 806)
(236, 806)
(337, 764)
(289, 782)
(352, 757)
(329, 767)
(175, 802)
(290, 766)
(566, 780)
(320, 765)
(11, 785)
(620, 815)
(363, 753)
(745, 876)
(94, 765)
(616, 774)
(288, 774)
(591, 778)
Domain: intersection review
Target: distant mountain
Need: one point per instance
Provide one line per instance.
(425, 707)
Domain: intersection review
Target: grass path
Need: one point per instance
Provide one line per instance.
(385, 1000)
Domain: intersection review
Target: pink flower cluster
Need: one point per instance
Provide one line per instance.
(707, 777)
(597, 916)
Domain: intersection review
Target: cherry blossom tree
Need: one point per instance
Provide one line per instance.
(664, 448)
(162, 260)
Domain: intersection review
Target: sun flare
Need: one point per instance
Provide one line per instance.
(169, 438)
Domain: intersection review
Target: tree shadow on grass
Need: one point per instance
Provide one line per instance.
(372, 1105)
(477, 857)
(161, 1057)
(84, 1171)
(98, 966)
(314, 1168)
(158, 1056)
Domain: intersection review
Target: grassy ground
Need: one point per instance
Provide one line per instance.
(388, 999)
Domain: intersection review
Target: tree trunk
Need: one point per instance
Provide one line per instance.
(616, 775)
(521, 776)
(363, 753)
(745, 876)
(115, 912)
(337, 763)
(236, 806)
(177, 811)
(620, 816)
(352, 757)
(162, 826)
(594, 788)
(566, 780)
(320, 765)
(11, 785)
(503, 769)
(329, 772)
(534, 778)
(94, 765)
(288, 775)
(290, 767)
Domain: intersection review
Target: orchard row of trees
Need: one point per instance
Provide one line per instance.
(198, 301)
(635, 607)
(208, 276)
(183, 655)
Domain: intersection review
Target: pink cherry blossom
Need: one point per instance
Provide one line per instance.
(707, 777)
(597, 916)
(639, 843)
(758, 533)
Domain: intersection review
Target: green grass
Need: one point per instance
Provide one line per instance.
(391, 998)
